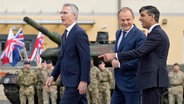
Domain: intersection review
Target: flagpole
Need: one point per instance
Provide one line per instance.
(20, 54)
(25, 53)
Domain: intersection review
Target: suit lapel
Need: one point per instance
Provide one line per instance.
(69, 38)
(126, 39)
(123, 43)
(117, 37)
(71, 33)
(158, 26)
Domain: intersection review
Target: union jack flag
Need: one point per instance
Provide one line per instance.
(19, 39)
(38, 49)
(13, 45)
(18, 45)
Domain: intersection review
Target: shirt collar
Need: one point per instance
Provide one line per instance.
(128, 30)
(151, 28)
(70, 27)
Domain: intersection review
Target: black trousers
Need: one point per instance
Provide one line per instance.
(153, 95)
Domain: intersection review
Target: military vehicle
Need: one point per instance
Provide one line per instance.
(11, 87)
(102, 45)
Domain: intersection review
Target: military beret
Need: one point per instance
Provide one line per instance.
(43, 61)
(26, 62)
(100, 62)
(49, 62)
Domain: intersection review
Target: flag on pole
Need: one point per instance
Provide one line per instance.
(38, 49)
(13, 45)
(6, 56)
(18, 45)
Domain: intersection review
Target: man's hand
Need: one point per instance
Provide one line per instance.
(108, 57)
(115, 63)
(82, 87)
(48, 83)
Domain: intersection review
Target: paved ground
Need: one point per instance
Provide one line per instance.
(4, 102)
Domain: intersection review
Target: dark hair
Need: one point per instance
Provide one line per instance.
(151, 10)
(176, 64)
(48, 62)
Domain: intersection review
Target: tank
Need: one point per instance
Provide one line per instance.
(96, 48)
(11, 88)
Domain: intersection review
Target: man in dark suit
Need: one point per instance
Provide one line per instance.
(152, 74)
(125, 73)
(74, 61)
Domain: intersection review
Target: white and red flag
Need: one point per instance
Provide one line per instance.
(38, 49)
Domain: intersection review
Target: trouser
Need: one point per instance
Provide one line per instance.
(72, 96)
(93, 96)
(123, 97)
(39, 96)
(176, 94)
(23, 99)
(51, 94)
(105, 96)
(152, 95)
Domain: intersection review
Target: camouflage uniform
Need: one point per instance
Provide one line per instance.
(176, 89)
(52, 92)
(26, 80)
(106, 79)
(61, 87)
(93, 92)
(39, 85)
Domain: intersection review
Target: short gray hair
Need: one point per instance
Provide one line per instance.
(126, 9)
(74, 8)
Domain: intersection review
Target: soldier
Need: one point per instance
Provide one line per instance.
(106, 79)
(26, 81)
(40, 83)
(92, 91)
(176, 81)
(52, 92)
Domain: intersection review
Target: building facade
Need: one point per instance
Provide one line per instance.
(94, 16)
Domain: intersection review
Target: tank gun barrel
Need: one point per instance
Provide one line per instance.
(53, 53)
(53, 36)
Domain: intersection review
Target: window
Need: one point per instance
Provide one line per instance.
(28, 45)
(3, 46)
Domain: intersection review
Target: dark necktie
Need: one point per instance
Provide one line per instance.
(121, 38)
(64, 37)
(124, 34)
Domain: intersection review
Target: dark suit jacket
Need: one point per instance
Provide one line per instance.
(74, 60)
(152, 69)
(126, 74)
